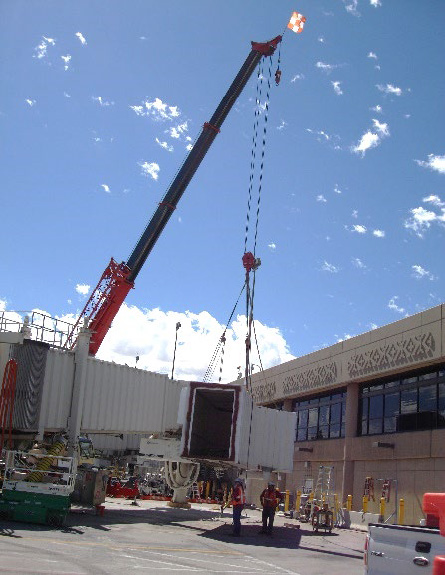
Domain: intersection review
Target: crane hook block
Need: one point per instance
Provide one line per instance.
(277, 76)
(250, 262)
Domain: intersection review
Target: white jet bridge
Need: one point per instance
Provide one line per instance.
(179, 422)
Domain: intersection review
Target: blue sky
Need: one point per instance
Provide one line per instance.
(100, 103)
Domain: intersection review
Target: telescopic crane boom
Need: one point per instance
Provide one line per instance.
(118, 279)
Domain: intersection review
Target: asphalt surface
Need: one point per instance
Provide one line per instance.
(151, 537)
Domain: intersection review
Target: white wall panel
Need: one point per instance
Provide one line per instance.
(117, 398)
(123, 399)
(266, 437)
(57, 390)
(113, 442)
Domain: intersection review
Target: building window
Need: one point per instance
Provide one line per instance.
(321, 416)
(416, 401)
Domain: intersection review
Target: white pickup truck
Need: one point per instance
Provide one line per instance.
(401, 550)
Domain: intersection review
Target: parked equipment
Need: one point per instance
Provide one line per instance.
(37, 486)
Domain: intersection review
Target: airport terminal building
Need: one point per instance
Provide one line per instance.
(372, 408)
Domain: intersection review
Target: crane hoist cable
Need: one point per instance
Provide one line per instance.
(250, 262)
(220, 345)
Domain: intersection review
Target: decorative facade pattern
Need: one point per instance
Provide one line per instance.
(264, 392)
(394, 354)
(310, 379)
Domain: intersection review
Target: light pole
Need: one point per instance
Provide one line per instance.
(178, 325)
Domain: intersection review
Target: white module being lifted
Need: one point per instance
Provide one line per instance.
(220, 423)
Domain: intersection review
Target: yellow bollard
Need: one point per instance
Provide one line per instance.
(382, 508)
(401, 512)
(349, 503)
(207, 489)
(298, 502)
(286, 501)
(335, 508)
(365, 504)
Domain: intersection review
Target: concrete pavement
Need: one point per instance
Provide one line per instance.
(151, 537)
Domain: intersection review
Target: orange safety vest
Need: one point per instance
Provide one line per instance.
(238, 496)
(270, 499)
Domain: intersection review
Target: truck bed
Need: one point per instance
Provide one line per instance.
(401, 550)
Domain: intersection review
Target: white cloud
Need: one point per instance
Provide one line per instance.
(321, 198)
(150, 169)
(359, 229)
(346, 336)
(323, 136)
(375, 3)
(297, 77)
(319, 133)
(421, 219)
(337, 89)
(82, 289)
(282, 125)
(351, 8)
(367, 141)
(357, 262)
(42, 48)
(177, 131)
(435, 200)
(420, 273)
(436, 163)
(30, 103)
(164, 145)
(393, 305)
(377, 109)
(372, 138)
(326, 67)
(66, 59)
(106, 188)
(272, 246)
(354, 214)
(150, 334)
(378, 233)
(138, 110)
(157, 110)
(327, 267)
(189, 147)
(67, 95)
(389, 89)
(337, 189)
(101, 101)
(81, 38)
(372, 55)
(321, 39)
(381, 127)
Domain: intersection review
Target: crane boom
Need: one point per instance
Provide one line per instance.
(117, 279)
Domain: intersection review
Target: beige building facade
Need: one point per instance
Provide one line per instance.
(371, 407)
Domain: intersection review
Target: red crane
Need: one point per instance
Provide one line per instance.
(118, 279)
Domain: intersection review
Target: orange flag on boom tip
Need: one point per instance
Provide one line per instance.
(296, 22)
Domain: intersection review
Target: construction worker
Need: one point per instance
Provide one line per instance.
(270, 499)
(238, 502)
